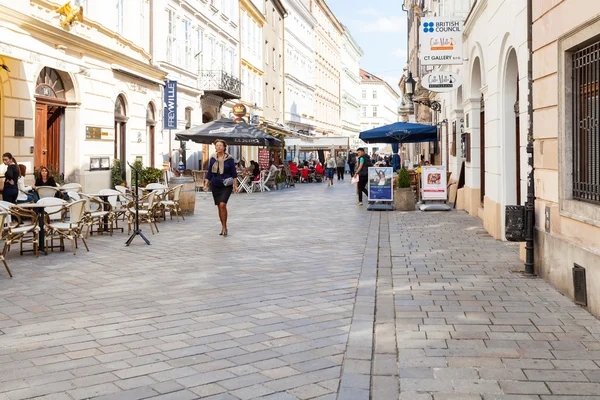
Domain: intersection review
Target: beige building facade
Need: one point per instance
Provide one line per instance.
(273, 31)
(566, 61)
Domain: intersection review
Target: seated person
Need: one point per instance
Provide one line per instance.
(293, 168)
(24, 195)
(319, 169)
(44, 178)
(254, 170)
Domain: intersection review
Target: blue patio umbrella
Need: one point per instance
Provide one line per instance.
(400, 132)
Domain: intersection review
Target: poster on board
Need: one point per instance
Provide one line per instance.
(433, 183)
(263, 158)
(380, 184)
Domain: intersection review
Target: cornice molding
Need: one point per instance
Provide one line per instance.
(474, 15)
(254, 11)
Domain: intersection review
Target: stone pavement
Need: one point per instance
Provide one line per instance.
(310, 297)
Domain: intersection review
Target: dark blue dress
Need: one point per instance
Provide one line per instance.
(220, 192)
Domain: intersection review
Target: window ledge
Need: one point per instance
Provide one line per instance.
(581, 211)
(224, 17)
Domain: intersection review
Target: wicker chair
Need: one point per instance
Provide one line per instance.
(54, 212)
(171, 202)
(48, 191)
(23, 228)
(3, 216)
(72, 228)
(147, 211)
(95, 212)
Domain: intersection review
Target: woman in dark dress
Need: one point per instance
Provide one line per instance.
(222, 178)
(10, 192)
(44, 178)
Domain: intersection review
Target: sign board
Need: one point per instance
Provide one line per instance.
(255, 119)
(263, 158)
(381, 180)
(170, 115)
(441, 81)
(433, 183)
(239, 110)
(440, 41)
(93, 133)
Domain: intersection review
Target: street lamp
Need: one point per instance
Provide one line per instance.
(409, 86)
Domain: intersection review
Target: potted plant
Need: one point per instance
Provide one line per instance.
(116, 173)
(151, 175)
(404, 198)
(280, 181)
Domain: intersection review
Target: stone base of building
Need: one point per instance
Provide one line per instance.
(490, 213)
(468, 200)
(554, 260)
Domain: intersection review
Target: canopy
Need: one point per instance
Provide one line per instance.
(400, 132)
(233, 133)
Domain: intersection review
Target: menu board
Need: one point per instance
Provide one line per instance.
(433, 182)
(263, 158)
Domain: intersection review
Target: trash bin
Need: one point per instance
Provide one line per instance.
(187, 199)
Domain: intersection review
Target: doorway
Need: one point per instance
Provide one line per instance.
(49, 121)
(120, 152)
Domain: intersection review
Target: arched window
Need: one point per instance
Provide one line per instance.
(188, 117)
(120, 110)
(49, 84)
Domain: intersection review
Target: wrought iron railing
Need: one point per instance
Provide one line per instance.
(218, 80)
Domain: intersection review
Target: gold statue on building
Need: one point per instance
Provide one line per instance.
(70, 14)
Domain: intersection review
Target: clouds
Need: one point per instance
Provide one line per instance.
(369, 11)
(401, 53)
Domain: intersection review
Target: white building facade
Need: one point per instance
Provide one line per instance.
(299, 96)
(379, 105)
(351, 54)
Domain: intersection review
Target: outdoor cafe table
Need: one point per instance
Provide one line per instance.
(40, 210)
(243, 181)
(105, 207)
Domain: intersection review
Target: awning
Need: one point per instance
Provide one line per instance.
(233, 133)
(315, 143)
(400, 132)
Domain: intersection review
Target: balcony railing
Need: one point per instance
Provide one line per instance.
(221, 83)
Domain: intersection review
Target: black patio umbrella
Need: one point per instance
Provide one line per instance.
(233, 133)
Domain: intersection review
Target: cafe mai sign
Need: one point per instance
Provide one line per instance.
(441, 81)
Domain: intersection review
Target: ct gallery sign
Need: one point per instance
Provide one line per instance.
(440, 41)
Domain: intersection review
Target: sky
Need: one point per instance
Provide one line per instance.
(379, 27)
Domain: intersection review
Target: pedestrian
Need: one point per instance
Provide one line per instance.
(341, 166)
(364, 162)
(352, 162)
(222, 177)
(330, 165)
(10, 191)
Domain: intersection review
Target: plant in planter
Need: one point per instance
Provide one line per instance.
(404, 198)
(280, 181)
(151, 175)
(116, 173)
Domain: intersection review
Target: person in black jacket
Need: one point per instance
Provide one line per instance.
(364, 162)
(10, 191)
(44, 178)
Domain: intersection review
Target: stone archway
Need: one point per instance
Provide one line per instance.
(511, 130)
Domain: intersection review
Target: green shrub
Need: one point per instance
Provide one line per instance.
(116, 173)
(151, 175)
(281, 177)
(403, 179)
(137, 164)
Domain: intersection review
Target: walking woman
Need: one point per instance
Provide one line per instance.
(10, 192)
(222, 178)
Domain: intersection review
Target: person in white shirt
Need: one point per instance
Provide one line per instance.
(24, 196)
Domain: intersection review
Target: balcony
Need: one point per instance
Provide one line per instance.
(220, 83)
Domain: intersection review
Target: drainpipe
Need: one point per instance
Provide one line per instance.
(530, 205)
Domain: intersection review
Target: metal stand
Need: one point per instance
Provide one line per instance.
(381, 207)
(136, 231)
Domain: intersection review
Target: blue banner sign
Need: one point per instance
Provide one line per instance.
(170, 116)
(380, 184)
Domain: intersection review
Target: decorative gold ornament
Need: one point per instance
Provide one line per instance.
(70, 14)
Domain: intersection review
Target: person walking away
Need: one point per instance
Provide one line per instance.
(341, 166)
(10, 191)
(364, 162)
(352, 162)
(222, 177)
(330, 165)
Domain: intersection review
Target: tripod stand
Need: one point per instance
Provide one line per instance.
(136, 230)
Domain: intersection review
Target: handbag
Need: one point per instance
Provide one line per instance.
(354, 179)
(228, 182)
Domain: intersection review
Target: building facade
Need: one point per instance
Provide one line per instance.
(350, 88)
(328, 32)
(299, 97)
(378, 105)
(566, 49)
(273, 31)
(76, 96)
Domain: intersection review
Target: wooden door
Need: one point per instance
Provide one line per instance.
(482, 152)
(55, 115)
(41, 134)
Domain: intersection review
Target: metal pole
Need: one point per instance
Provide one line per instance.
(530, 205)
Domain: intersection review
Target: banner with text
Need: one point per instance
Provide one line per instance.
(433, 182)
(440, 41)
(380, 184)
(170, 115)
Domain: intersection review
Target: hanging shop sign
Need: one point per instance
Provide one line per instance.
(263, 158)
(239, 111)
(440, 41)
(170, 116)
(433, 183)
(441, 81)
(380, 184)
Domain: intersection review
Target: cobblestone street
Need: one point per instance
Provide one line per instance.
(310, 297)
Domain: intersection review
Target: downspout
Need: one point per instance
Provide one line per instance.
(530, 205)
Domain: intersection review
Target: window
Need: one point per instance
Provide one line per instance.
(187, 29)
(586, 133)
(266, 52)
(374, 94)
(364, 111)
(200, 48)
(364, 93)
(211, 48)
(375, 111)
(171, 36)
(120, 13)
(273, 58)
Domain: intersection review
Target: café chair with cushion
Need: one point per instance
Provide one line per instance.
(71, 187)
(3, 216)
(48, 191)
(118, 202)
(95, 212)
(147, 211)
(23, 228)
(54, 212)
(171, 202)
(72, 227)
